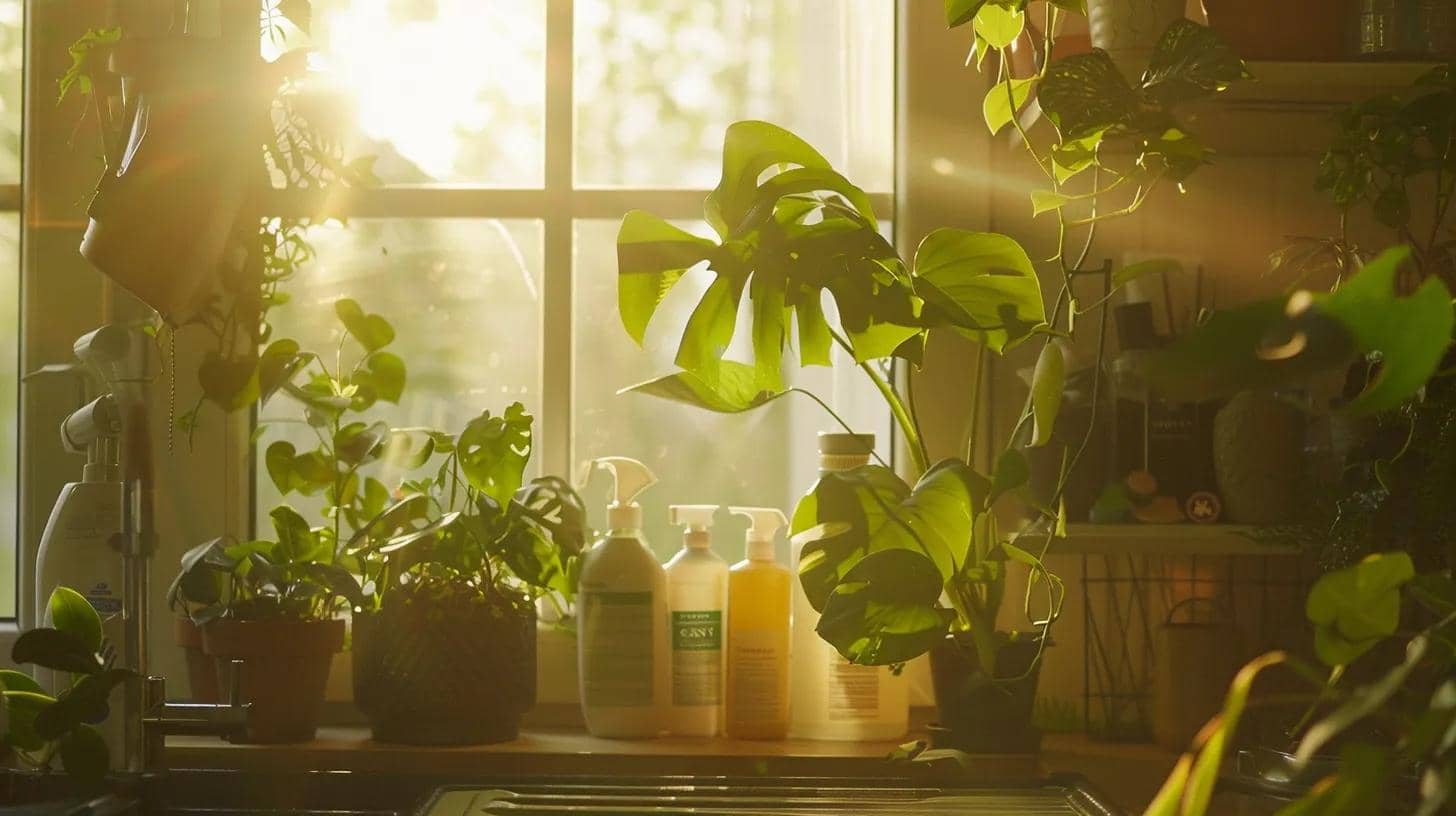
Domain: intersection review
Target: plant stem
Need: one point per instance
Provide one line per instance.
(897, 408)
(975, 406)
(837, 418)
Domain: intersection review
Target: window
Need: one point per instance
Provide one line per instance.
(11, 37)
(511, 138)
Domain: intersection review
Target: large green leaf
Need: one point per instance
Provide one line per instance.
(730, 388)
(71, 613)
(749, 148)
(835, 521)
(21, 709)
(1411, 334)
(1353, 609)
(1002, 102)
(297, 542)
(980, 283)
(84, 754)
(652, 255)
(710, 327)
(493, 451)
(1190, 62)
(886, 609)
(999, 25)
(1086, 93)
(869, 510)
(54, 649)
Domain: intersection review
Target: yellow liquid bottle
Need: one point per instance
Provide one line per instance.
(757, 702)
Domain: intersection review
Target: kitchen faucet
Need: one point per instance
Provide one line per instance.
(120, 357)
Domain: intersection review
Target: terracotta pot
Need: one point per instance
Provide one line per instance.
(285, 665)
(445, 671)
(979, 714)
(201, 669)
(1290, 30)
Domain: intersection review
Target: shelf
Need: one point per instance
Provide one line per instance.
(1289, 108)
(1165, 539)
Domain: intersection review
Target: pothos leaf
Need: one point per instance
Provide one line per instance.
(1191, 61)
(1046, 392)
(1003, 100)
(1086, 93)
(372, 331)
(999, 25)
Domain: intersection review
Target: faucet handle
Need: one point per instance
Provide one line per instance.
(235, 683)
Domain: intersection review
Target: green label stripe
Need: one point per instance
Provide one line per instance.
(697, 631)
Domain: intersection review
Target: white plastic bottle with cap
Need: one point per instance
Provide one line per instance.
(831, 698)
(757, 705)
(697, 593)
(622, 617)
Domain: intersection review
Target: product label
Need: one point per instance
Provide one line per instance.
(758, 672)
(854, 690)
(697, 658)
(104, 599)
(616, 648)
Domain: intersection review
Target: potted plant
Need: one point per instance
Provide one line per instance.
(879, 551)
(445, 653)
(40, 727)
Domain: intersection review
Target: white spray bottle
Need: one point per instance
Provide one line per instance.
(622, 617)
(697, 593)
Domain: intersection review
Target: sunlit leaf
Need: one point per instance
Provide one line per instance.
(998, 107)
(729, 389)
(493, 451)
(1045, 201)
(886, 609)
(652, 255)
(372, 331)
(980, 283)
(999, 25)
(1047, 380)
(71, 613)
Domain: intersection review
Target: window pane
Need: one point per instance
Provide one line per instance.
(11, 37)
(443, 91)
(763, 457)
(9, 403)
(463, 296)
(657, 81)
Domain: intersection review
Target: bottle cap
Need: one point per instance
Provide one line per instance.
(846, 444)
(765, 524)
(629, 478)
(697, 518)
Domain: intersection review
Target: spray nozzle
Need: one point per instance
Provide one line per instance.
(629, 478)
(764, 525)
(697, 518)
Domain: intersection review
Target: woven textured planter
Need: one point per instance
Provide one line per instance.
(450, 671)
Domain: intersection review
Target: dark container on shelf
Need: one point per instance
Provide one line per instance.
(980, 713)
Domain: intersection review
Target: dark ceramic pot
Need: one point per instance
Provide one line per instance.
(445, 671)
(979, 714)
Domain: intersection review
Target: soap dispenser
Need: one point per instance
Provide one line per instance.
(758, 633)
(622, 617)
(697, 592)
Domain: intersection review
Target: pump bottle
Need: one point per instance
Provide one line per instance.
(622, 617)
(758, 634)
(697, 592)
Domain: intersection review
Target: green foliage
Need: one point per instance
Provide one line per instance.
(39, 727)
(1357, 607)
(1389, 147)
(1282, 340)
(95, 44)
(466, 525)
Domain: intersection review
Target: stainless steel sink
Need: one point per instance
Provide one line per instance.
(710, 798)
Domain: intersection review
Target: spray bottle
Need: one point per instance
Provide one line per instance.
(758, 633)
(697, 592)
(622, 617)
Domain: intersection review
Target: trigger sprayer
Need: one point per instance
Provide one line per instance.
(629, 478)
(764, 525)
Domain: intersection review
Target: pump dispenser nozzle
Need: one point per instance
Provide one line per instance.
(765, 524)
(629, 478)
(697, 518)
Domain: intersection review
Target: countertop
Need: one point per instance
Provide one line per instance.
(1128, 775)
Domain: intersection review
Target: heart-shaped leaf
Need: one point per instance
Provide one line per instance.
(383, 375)
(371, 331)
(1191, 61)
(1085, 94)
(1355, 608)
(1047, 380)
(1002, 102)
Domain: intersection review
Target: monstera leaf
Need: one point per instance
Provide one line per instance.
(1357, 607)
(877, 555)
(785, 240)
(493, 452)
(980, 283)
